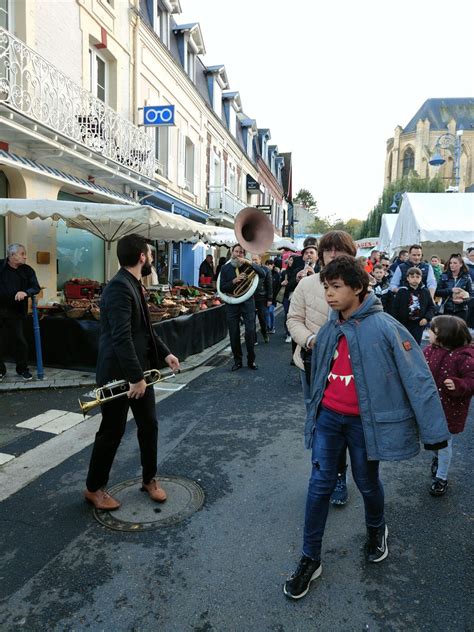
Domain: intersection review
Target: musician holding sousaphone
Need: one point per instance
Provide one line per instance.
(128, 348)
(238, 281)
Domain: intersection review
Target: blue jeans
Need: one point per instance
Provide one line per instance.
(286, 307)
(333, 432)
(270, 317)
(444, 460)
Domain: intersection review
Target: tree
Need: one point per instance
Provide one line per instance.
(305, 198)
(371, 226)
(325, 224)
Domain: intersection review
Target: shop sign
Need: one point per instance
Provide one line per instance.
(252, 184)
(158, 115)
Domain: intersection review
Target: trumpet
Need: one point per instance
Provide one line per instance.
(119, 388)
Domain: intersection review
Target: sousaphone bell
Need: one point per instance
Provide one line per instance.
(254, 232)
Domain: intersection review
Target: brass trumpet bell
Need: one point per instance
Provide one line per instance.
(253, 230)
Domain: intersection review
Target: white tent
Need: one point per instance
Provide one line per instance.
(386, 231)
(435, 218)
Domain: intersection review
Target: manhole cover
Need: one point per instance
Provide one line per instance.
(139, 513)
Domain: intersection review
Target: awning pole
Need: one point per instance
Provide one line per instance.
(37, 335)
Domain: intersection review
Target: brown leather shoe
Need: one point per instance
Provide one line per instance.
(154, 490)
(101, 500)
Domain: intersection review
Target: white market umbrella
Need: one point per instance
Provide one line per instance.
(110, 222)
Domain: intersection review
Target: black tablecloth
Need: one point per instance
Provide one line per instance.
(72, 344)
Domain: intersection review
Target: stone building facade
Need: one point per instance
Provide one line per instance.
(74, 78)
(413, 146)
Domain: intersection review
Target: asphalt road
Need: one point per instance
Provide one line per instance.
(239, 435)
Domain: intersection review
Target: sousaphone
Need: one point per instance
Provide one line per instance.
(254, 232)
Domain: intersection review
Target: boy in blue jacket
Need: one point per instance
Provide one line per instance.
(377, 419)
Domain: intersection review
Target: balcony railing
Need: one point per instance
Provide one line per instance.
(222, 199)
(32, 86)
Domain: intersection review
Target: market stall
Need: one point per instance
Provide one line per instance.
(188, 319)
(386, 231)
(72, 343)
(441, 222)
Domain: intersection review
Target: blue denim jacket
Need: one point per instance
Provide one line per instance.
(398, 398)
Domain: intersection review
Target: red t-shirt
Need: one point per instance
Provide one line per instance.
(340, 394)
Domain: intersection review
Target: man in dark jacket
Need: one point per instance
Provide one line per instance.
(415, 260)
(128, 346)
(18, 283)
(402, 258)
(230, 276)
(206, 271)
(263, 297)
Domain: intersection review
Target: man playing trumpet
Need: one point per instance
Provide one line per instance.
(128, 346)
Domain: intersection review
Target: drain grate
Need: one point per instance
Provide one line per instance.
(139, 513)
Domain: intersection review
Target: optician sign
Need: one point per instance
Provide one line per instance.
(158, 115)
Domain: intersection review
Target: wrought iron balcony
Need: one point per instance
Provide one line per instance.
(29, 84)
(222, 200)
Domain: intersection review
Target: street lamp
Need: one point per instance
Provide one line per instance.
(453, 143)
(396, 201)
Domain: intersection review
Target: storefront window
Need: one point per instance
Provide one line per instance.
(3, 245)
(79, 254)
(3, 194)
(160, 256)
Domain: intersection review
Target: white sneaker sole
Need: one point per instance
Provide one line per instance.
(315, 575)
(380, 559)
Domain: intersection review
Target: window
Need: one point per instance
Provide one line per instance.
(98, 76)
(161, 23)
(79, 254)
(189, 166)
(4, 13)
(217, 98)
(161, 150)
(232, 180)
(408, 161)
(3, 194)
(191, 64)
(250, 144)
(232, 121)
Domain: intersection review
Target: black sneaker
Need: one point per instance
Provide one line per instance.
(434, 466)
(376, 548)
(26, 375)
(298, 584)
(438, 487)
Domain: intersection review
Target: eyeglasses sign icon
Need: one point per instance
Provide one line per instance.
(158, 115)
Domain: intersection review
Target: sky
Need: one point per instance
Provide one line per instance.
(332, 79)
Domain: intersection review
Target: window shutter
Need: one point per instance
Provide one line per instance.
(197, 171)
(181, 159)
(170, 153)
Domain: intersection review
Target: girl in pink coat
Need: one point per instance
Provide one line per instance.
(450, 357)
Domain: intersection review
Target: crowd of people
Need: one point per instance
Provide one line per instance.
(344, 313)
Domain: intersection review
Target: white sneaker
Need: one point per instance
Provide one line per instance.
(288, 339)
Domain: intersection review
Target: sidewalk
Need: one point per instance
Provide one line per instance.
(65, 378)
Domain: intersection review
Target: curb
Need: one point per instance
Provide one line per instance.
(191, 363)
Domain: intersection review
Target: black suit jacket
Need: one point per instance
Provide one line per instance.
(127, 344)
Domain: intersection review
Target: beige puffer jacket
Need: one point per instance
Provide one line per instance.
(307, 314)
